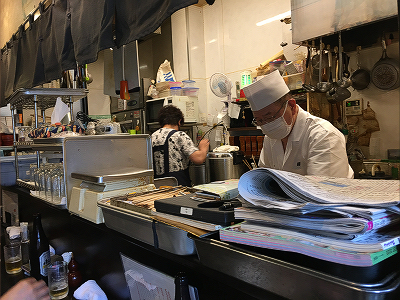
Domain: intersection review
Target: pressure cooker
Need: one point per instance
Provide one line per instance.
(225, 165)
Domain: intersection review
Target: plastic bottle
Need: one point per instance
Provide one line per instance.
(137, 127)
(181, 287)
(199, 135)
(39, 250)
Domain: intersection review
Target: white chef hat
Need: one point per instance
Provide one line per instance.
(266, 91)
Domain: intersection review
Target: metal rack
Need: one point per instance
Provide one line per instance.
(39, 99)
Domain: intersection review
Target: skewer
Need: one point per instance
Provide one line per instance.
(252, 157)
(247, 164)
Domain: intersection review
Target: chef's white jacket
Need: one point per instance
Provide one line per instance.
(314, 147)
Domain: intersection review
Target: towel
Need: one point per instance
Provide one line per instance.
(60, 110)
(90, 291)
(14, 232)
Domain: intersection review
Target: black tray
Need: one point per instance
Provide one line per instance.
(206, 211)
(297, 276)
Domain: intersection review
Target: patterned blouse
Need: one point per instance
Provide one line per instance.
(180, 147)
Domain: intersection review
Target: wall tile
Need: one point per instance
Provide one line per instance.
(179, 44)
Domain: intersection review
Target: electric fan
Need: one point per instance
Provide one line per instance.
(221, 86)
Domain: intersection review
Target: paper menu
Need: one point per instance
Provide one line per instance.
(145, 283)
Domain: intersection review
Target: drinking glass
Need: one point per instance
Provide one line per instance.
(57, 273)
(32, 170)
(13, 258)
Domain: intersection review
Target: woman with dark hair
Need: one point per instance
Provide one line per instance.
(173, 149)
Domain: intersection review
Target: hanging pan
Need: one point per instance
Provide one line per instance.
(360, 78)
(385, 73)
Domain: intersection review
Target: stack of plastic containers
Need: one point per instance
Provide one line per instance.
(189, 89)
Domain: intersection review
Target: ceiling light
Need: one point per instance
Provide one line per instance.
(275, 18)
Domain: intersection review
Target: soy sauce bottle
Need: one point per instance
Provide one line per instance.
(181, 287)
(39, 250)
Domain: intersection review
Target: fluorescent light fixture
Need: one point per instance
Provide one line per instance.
(212, 41)
(275, 18)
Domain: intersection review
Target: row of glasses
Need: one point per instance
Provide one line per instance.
(49, 181)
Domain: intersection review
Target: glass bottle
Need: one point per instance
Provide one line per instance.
(25, 244)
(74, 275)
(39, 250)
(181, 287)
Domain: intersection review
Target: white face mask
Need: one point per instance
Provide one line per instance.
(277, 129)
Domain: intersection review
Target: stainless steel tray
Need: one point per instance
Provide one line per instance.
(291, 280)
(43, 98)
(113, 177)
(50, 140)
(140, 226)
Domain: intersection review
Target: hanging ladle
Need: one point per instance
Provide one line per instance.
(324, 86)
(344, 80)
(339, 93)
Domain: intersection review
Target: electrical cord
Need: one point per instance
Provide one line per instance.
(208, 131)
(84, 118)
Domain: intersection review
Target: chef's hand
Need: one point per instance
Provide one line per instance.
(204, 144)
(28, 289)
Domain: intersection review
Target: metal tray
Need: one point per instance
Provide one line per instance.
(140, 226)
(113, 177)
(43, 98)
(293, 280)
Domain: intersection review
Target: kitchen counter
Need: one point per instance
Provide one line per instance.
(220, 270)
(97, 250)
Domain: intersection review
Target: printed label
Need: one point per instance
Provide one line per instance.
(44, 260)
(389, 244)
(186, 211)
(381, 255)
(378, 223)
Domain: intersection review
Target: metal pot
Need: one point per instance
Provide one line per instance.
(225, 165)
(198, 174)
(360, 78)
(385, 73)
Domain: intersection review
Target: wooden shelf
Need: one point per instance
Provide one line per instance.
(241, 131)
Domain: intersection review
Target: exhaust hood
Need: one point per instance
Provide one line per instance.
(315, 18)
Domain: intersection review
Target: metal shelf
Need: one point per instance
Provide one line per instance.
(44, 98)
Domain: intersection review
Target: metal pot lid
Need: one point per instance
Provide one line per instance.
(385, 76)
(219, 154)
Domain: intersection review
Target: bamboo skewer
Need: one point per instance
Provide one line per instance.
(247, 164)
(255, 164)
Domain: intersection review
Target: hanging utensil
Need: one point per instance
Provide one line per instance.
(344, 80)
(323, 86)
(341, 92)
(360, 78)
(385, 73)
(307, 85)
(123, 89)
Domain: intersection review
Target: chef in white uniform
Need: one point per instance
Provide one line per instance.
(295, 140)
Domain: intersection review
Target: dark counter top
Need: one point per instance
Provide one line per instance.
(97, 250)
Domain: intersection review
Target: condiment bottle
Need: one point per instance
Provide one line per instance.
(74, 275)
(39, 250)
(137, 127)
